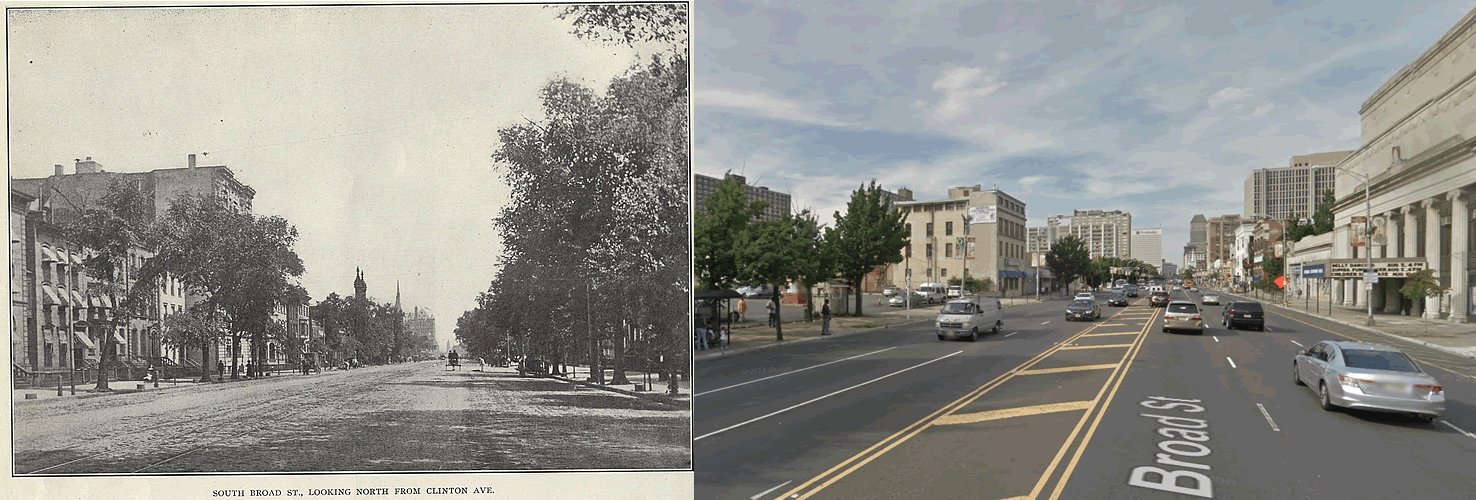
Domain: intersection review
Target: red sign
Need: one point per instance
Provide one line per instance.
(1281, 281)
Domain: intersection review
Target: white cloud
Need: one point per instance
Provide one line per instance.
(1225, 96)
(759, 104)
(961, 88)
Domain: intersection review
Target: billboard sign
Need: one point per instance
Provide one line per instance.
(1314, 271)
(1386, 268)
(987, 214)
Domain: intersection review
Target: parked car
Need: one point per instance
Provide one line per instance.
(955, 292)
(1117, 299)
(964, 318)
(758, 292)
(1210, 298)
(900, 299)
(1182, 315)
(933, 292)
(1368, 376)
(1083, 309)
(889, 291)
(1158, 298)
(1243, 313)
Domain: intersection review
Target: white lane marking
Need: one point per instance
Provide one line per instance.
(1458, 429)
(1269, 329)
(792, 372)
(1044, 322)
(756, 497)
(749, 421)
(1268, 417)
(1011, 333)
(1298, 343)
(1217, 338)
(1232, 362)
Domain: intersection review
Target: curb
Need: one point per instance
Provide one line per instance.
(742, 350)
(1446, 349)
(653, 397)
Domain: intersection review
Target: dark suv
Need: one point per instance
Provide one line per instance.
(1243, 313)
(1158, 299)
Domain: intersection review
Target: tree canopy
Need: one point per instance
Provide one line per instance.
(1069, 259)
(869, 235)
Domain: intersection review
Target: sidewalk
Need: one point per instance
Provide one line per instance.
(753, 335)
(119, 387)
(636, 387)
(1454, 338)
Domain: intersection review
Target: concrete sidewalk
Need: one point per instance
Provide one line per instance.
(636, 386)
(1454, 338)
(89, 389)
(753, 335)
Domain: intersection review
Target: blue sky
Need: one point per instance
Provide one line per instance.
(1157, 109)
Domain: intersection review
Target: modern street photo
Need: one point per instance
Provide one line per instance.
(350, 239)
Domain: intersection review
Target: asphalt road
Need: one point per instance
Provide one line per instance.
(407, 417)
(1051, 409)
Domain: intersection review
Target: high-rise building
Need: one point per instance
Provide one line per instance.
(1041, 239)
(1107, 234)
(1148, 246)
(778, 203)
(1220, 238)
(976, 231)
(1291, 191)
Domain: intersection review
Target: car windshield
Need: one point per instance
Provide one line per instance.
(957, 308)
(1183, 308)
(1378, 360)
(1083, 303)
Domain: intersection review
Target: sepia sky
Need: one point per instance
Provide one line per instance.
(370, 128)
(1160, 109)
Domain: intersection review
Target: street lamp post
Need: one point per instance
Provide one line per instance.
(1367, 245)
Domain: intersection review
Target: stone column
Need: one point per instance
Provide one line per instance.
(1432, 251)
(1410, 231)
(1350, 292)
(1460, 217)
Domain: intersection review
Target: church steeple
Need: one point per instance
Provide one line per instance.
(397, 296)
(360, 289)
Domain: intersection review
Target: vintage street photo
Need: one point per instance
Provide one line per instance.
(349, 239)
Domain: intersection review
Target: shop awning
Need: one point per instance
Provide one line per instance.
(81, 337)
(77, 300)
(118, 337)
(47, 255)
(1011, 274)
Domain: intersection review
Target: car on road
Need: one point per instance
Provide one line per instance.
(900, 299)
(1243, 313)
(1194, 289)
(889, 291)
(1117, 299)
(757, 292)
(1158, 298)
(1348, 374)
(1086, 295)
(955, 292)
(1182, 315)
(1210, 298)
(964, 318)
(1130, 290)
(1083, 309)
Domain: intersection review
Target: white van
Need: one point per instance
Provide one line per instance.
(964, 318)
(932, 292)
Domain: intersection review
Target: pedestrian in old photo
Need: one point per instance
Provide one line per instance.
(220, 371)
(825, 318)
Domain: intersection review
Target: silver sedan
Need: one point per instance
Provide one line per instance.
(1368, 376)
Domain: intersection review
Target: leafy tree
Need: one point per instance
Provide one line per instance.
(769, 253)
(817, 259)
(191, 329)
(718, 231)
(1420, 286)
(869, 235)
(1098, 272)
(117, 231)
(1273, 267)
(629, 24)
(1187, 274)
(1069, 259)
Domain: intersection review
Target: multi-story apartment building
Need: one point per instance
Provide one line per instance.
(1041, 239)
(1220, 238)
(975, 231)
(1107, 234)
(1193, 257)
(778, 203)
(1148, 246)
(1292, 191)
(1169, 270)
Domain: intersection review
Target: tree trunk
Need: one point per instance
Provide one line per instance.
(619, 377)
(778, 319)
(106, 360)
(809, 302)
(856, 289)
(235, 355)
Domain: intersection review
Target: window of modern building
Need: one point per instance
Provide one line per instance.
(929, 251)
(943, 272)
(930, 229)
(948, 250)
(948, 228)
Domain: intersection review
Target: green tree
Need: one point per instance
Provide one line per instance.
(869, 235)
(1187, 274)
(817, 259)
(1420, 286)
(718, 230)
(769, 252)
(1068, 259)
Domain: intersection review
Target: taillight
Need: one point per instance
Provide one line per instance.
(1196, 318)
(1434, 389)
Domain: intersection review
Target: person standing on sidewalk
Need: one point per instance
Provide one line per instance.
(773, 313)
(825, 318)
(742, 308)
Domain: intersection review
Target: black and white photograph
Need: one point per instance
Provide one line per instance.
(314, 242)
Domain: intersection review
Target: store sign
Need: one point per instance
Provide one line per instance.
(987, 214)
(1386, 268)
(1314, 271)
(1012, 262)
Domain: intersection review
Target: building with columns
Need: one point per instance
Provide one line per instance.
(974, 230)
(1418, 165)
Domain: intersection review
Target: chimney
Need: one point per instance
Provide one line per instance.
(87, 166)
(192, 161)
(59, 170)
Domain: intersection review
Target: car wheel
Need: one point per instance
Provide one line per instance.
(1260, 328)
(1297, 374)
(974, 335)
(1324, 399)
(942, 336)
(1165, 329)
(998, 325)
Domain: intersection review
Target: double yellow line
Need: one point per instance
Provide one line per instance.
(843, 469)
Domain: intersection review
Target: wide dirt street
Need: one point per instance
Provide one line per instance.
(406, 417)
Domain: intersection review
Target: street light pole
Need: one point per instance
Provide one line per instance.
(1367, 244)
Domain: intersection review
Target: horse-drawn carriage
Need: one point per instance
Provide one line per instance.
(453, 361)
